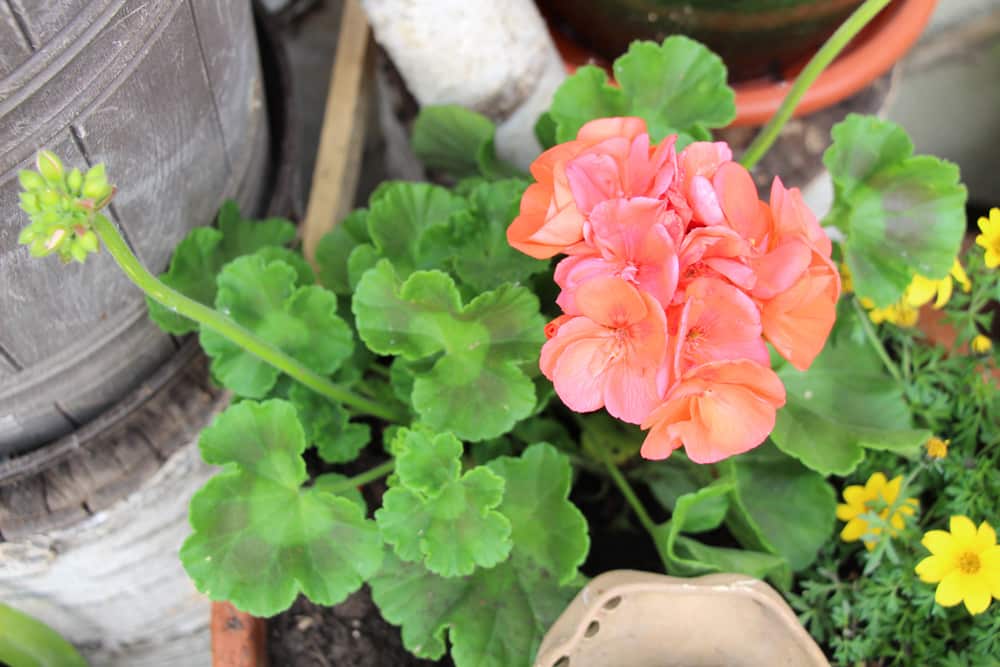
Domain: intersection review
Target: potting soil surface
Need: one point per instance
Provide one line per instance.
(351, 634)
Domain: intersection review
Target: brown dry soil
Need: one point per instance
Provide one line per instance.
(351, 634)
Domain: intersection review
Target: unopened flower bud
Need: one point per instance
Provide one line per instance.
(29, 203)
(55, 239)
(78, 253)
(88, 241)
(51, 167)
(31, 180)
(106, 199)
(74, 181)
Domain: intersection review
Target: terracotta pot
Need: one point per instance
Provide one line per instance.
(238, 639)
(638, 619)
(871, 54)
(753, 37)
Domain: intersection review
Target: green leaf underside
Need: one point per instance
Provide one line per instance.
(484, 343)
(496, 617)
(686, 556)
(433, 514)
(327, 427)
(450, 137)
(843, 404)
(780, 506)
(678, 86)
(473, 242)
(302, 322)
(200, 256)
(902, 214)
(334, 249)
(399, 213)
(259, 538)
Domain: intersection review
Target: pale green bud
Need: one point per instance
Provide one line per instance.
(88, 241)
(78, 253)
(51, 167)
(74, 181)
(31, 180)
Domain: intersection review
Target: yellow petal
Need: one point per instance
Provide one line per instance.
(949, 591)
(897, 521)
(891, 490)
(853, 530)
(958, 273)
(978, 599)
(943, 292)
(986, 537)
(920, 291)
(939, 543)
(962, 529)
(856, 495)
(848, 512)
(934, 568)
(875, 484)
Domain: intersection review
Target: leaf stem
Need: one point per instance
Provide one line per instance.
(819, 62)
(876, 343)
(632, 499)
(361, 479)
(216, 321)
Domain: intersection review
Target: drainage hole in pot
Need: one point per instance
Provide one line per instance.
(561, 662)
(613, 602)
(592, 629)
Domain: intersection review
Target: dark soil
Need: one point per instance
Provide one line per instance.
(351, 634)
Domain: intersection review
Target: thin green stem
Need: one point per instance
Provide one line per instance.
(224, 326)
(876, 343)
(361, 479)
(632, 499)
(819, 62)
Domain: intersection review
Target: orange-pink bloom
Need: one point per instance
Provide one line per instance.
(610, 158)
(715, 411)
(677, 274)
(610, 354)
(629, 239)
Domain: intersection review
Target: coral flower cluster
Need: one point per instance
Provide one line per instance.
(676, 274)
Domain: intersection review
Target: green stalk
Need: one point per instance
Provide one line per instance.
(361, 479)
(861, 17)
(876, 343)
(216, 321)
(632, 499)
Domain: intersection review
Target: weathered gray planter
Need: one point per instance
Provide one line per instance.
(168, 94)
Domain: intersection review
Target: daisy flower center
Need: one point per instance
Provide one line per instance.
(969, 563)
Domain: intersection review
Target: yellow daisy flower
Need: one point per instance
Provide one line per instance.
(937, 448)
(964, 563)
(990, 238)
(859, 500)
(901, 314)
(981, 344)
(921, 290)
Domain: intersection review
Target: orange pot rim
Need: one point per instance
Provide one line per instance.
(869, 55)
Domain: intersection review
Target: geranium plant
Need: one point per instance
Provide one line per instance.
(435, 338)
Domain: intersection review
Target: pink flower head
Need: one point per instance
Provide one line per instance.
(715, 251)
(610, 354)
(717, 322)
(610, 158)
(630, 240)
(698, 164)
(717, 410)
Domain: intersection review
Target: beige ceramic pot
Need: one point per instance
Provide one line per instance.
(626, 618)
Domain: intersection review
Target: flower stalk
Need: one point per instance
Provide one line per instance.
(216, 321)
(854, 24)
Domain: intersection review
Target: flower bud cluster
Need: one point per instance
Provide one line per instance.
(62, 205)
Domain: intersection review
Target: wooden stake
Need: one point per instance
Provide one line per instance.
(338, 162)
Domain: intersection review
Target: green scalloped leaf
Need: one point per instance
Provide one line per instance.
(327, 427)
(458, 141)
(678, 86)
(902, 214)
(335, 247)
(484, 345)
(303, 322)
(259, 538)
(436, 515)
(496, 617)
(200, 256)
(779, 505)
(843, 404)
